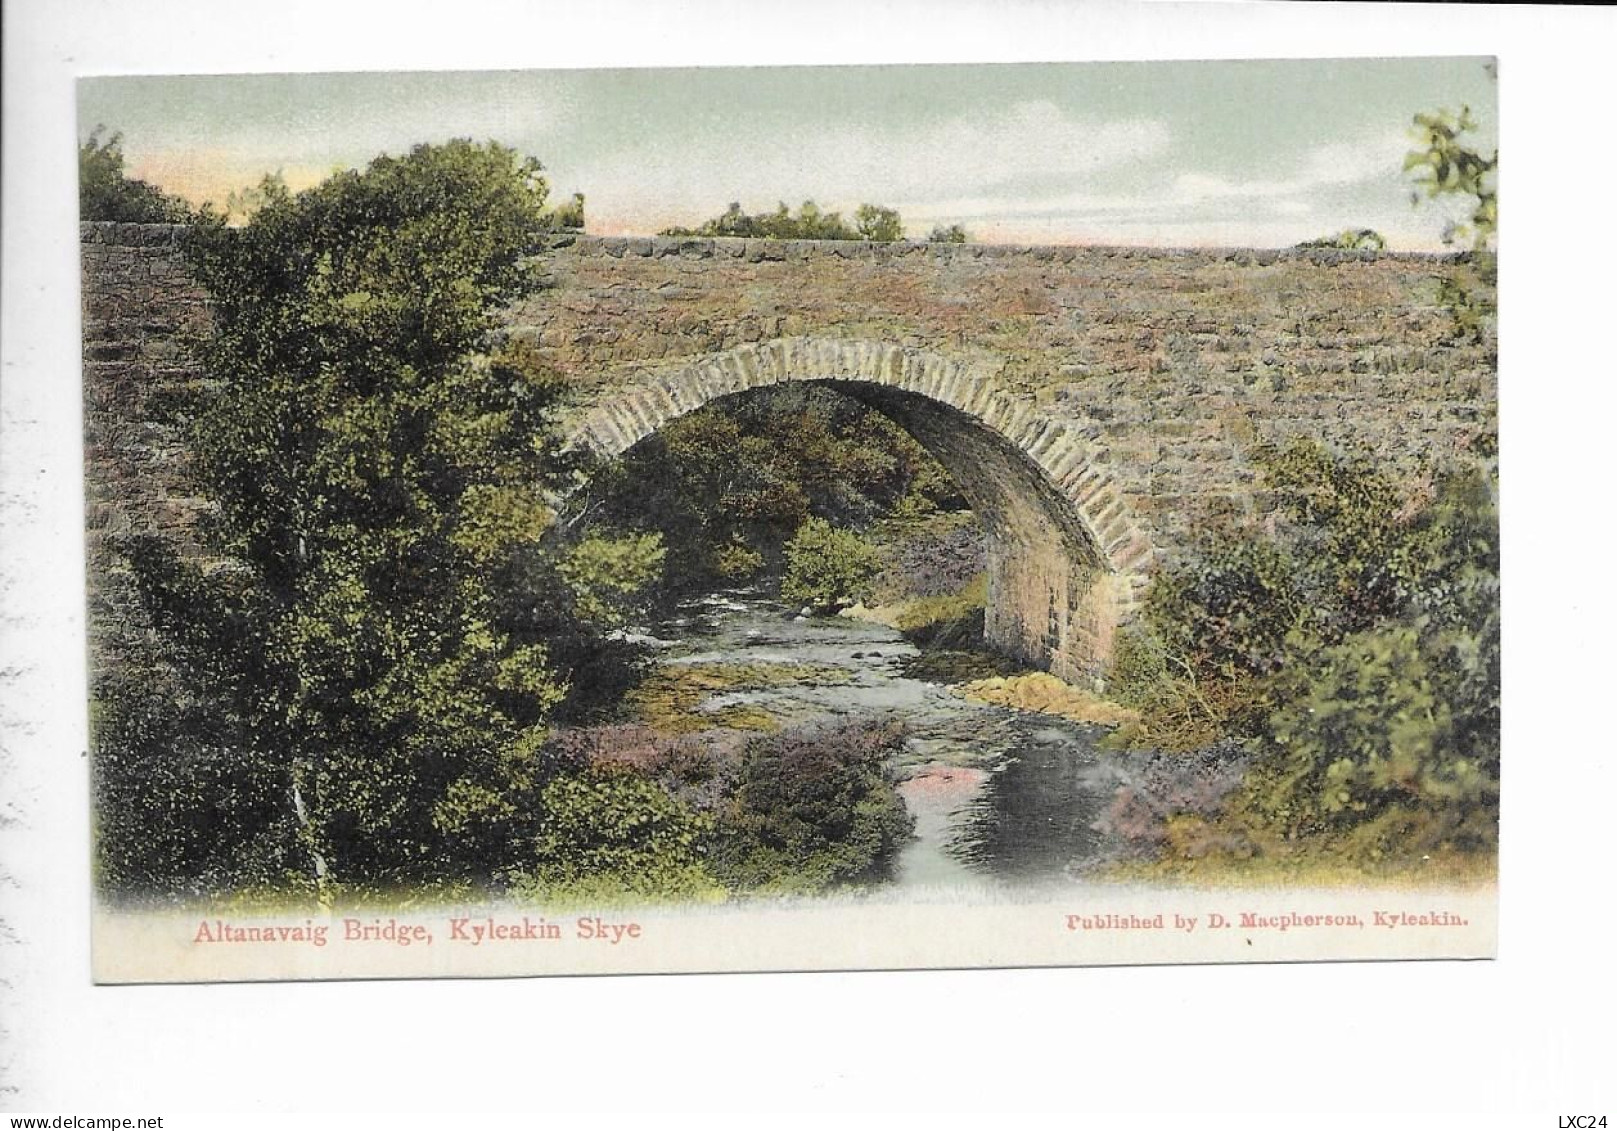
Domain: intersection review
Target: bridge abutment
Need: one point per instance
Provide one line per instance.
(1049, 608)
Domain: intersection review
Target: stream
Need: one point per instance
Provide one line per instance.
(1002, 798)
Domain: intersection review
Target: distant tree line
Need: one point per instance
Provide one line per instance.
(1351, 239)
(872, 222)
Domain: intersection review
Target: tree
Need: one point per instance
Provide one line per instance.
(244, 203)
(872, 222)
(878, 224)
(107, 193)
(729, 485)
(570, 216)
(377, 461)
(1446, 164)
(1443, 163)
(954, 233)
(828, 568)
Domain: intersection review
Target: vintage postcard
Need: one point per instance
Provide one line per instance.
(791, 518)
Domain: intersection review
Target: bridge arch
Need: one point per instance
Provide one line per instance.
(1066, 561)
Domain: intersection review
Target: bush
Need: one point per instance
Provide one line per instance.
(727, 486)
(609, 575)
(827, 568)
(1172, 804)
(812, 809)
(1352, 649)
(1351, 239)
(636, 814)
(1214, 628)
(606, 831)
(1363, 730)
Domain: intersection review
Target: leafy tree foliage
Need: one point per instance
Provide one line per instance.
(637, 815)
(607, 575)
(1445, 164)
(728, 485)
(878, 224)
(871, 222)
(241, 205)
(570, 216)
(106, 192)
(829, 568)
(366, 695)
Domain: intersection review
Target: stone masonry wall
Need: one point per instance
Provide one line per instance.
(1171, 364)
(139, 307)
(1166, 367)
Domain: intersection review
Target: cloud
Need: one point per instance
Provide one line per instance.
(1351, 183)
(685, 179)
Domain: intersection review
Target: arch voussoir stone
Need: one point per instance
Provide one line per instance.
(1070, 564)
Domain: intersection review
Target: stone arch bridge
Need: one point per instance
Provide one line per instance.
(1066, 562)
(1096, 405)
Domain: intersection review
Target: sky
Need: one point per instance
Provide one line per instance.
(1255, 154)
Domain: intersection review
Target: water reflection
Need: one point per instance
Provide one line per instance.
(1037, 812)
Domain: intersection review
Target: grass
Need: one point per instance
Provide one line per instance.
(1307, 869)
(953, 621)
(1044, 693)
(670, 701)
(929, 618)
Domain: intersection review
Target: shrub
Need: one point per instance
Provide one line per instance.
(1351, 239)
(737, 561)
(828, 568)
(727, 486)
(812, 809)
(1363, 730)
(1352, 648)
(609, 575)
(608, 831)
(1173, 802)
